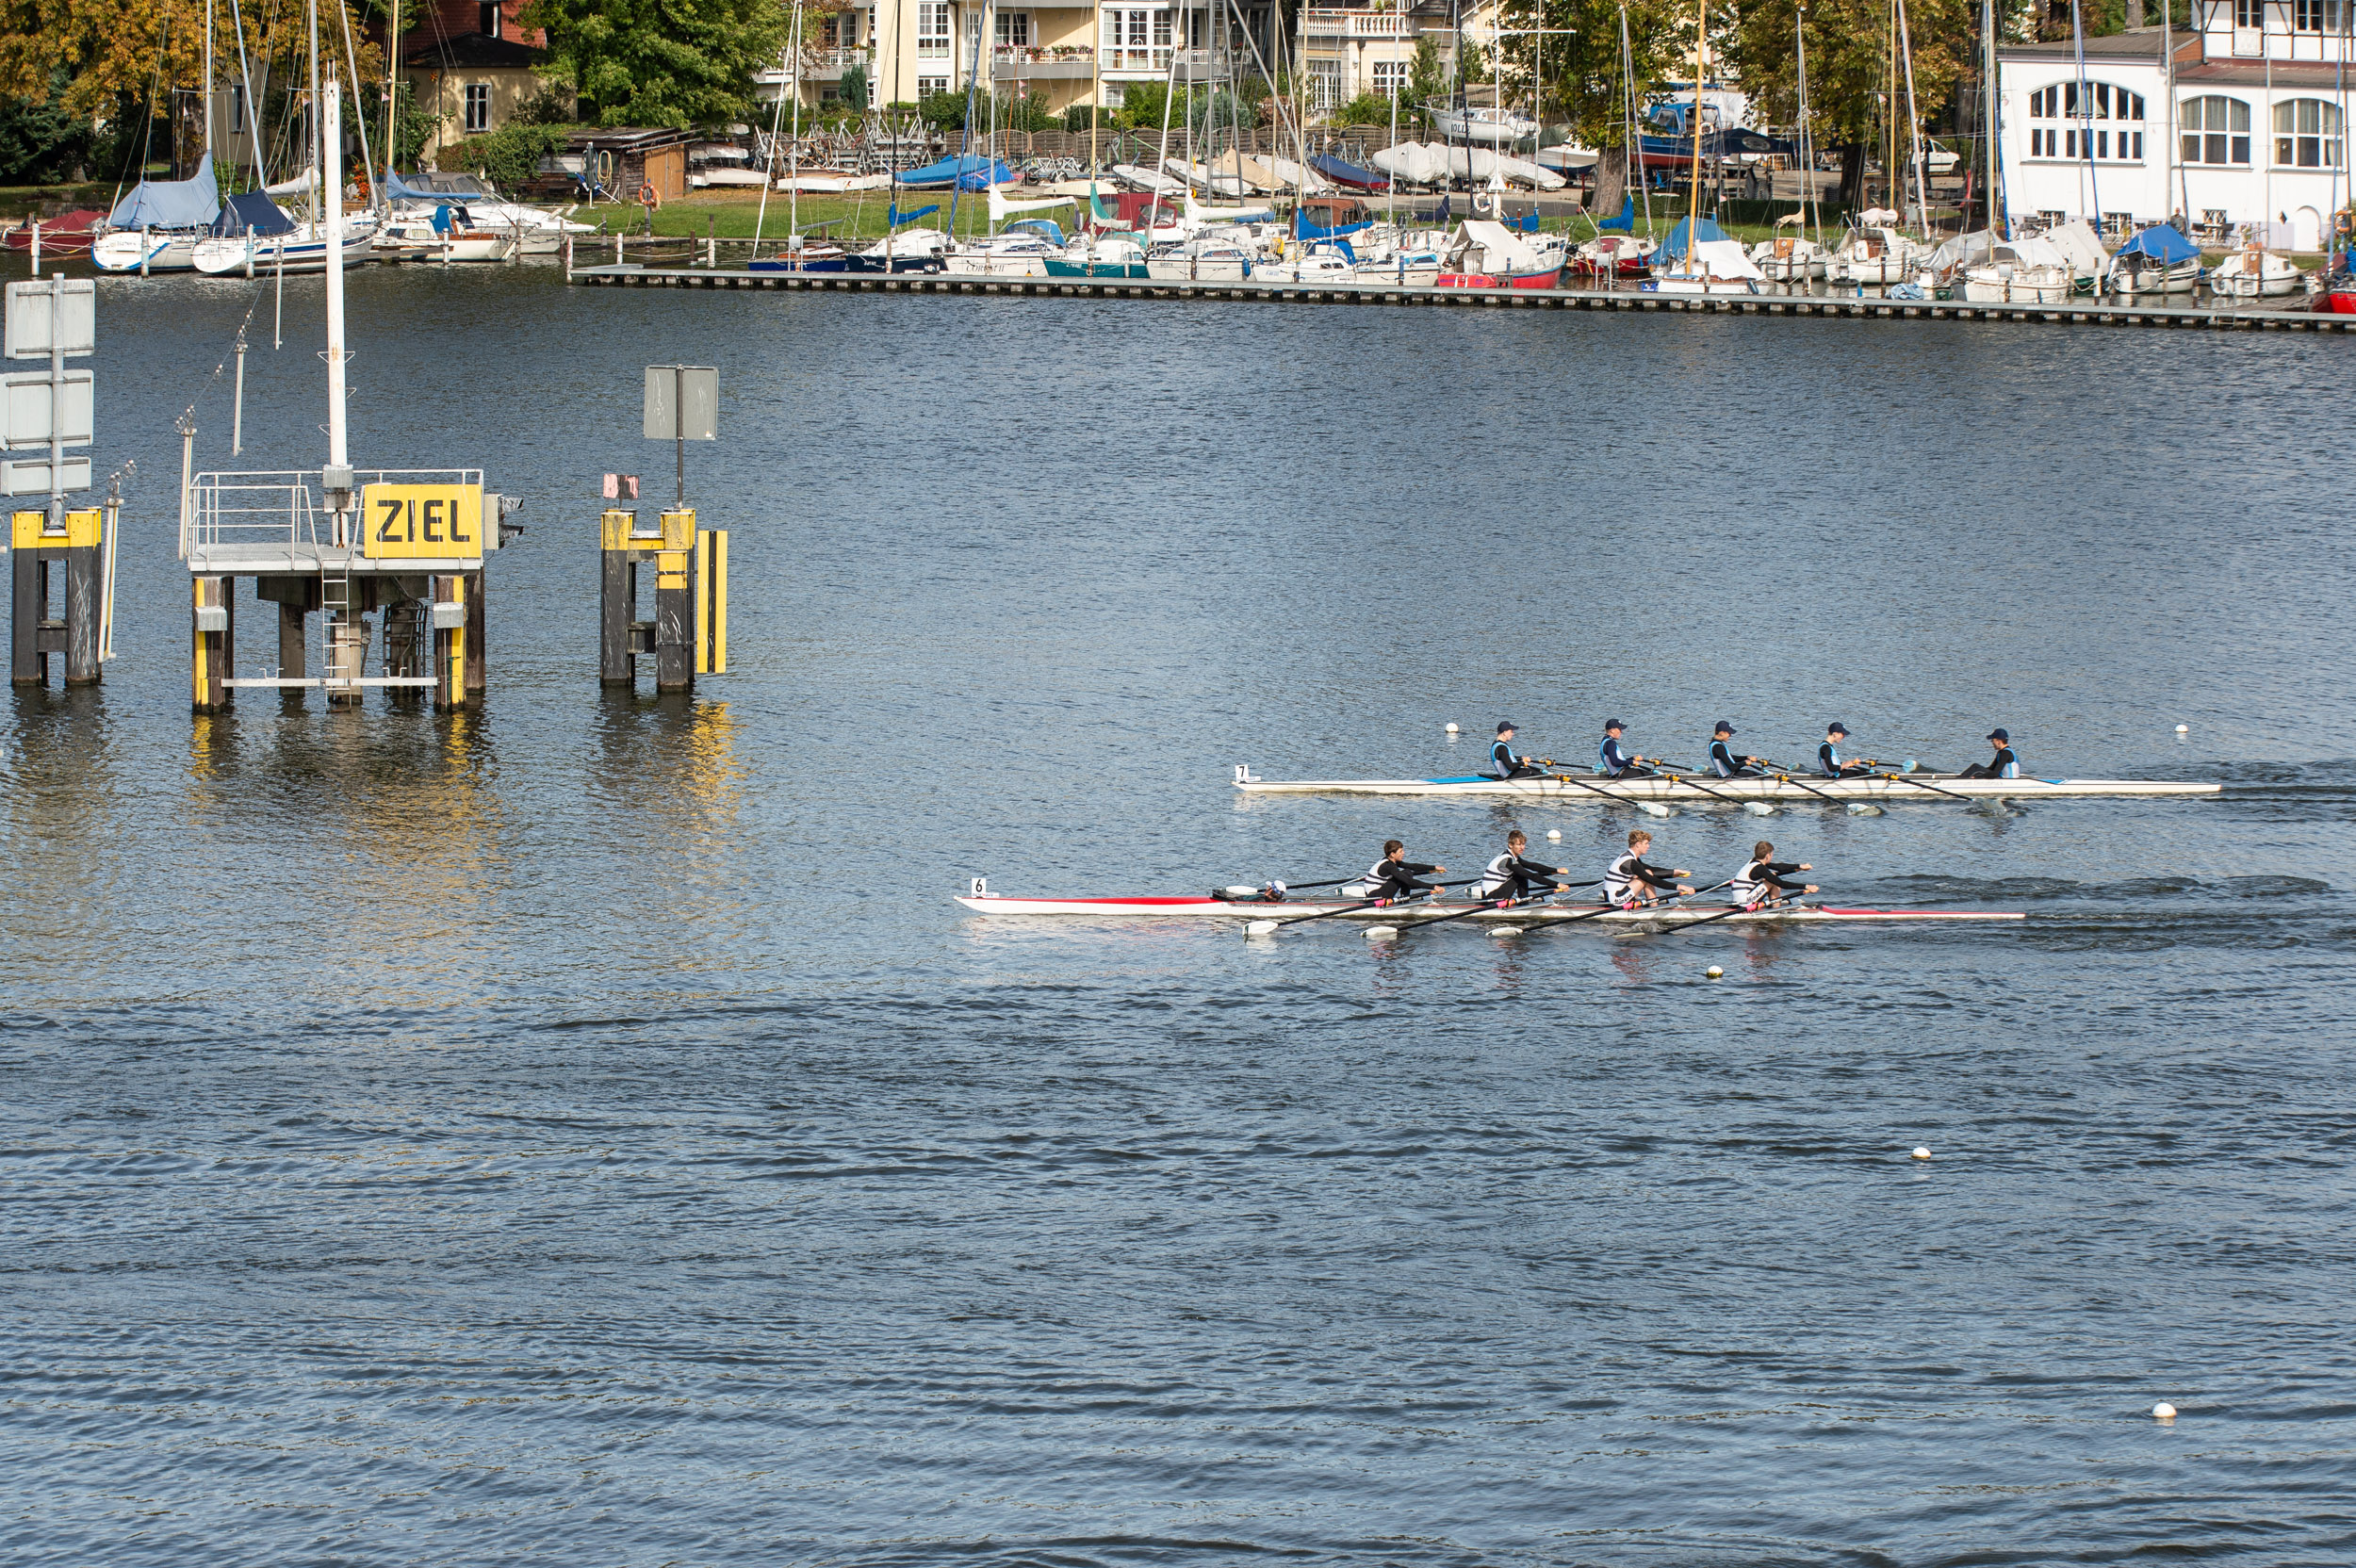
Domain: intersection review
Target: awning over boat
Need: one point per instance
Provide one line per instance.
(1707, 230)
(968, 171)
(254, 210)
(2162, 243)
(189, 203)
(1348, 174)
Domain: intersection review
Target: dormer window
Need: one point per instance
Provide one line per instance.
(489, 25)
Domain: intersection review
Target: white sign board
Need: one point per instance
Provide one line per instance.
(31, 477)
(37, 411)
(59, 311)
(682, 403)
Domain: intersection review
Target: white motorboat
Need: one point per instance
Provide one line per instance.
(1405, 268)
(1204, 261)
(1710, 267)
(1780, 789)
(1004, 256)
(2139, 277)
(1874, 257)
(2026, 271)
(1323, 263)
(1789, 258)
(415, 238)
(1493, 127)
(2252, 274)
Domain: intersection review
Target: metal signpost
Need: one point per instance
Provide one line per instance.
(688, 635)
(53, 319)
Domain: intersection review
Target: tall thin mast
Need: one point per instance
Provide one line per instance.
(1914, 124)
(1807, 164)
(392, 83)
(1693, 191)
(332, 189)
(1987, 132)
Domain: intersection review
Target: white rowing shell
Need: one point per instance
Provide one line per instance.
(1899, 788)
(1527, 914)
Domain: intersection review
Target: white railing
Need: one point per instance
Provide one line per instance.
(1336, 23)
(274, 509)
(1041, 53)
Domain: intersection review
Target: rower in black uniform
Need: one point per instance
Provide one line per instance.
(1761, 879)
(1828, 755)
(2002, 765)
(1513, 876)
(1503, 761)
(1393, 877)
(1614, 760)
(1630, 881)
(1724, 762)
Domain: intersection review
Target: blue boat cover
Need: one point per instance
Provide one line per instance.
(1625, 223)
(1674, 244)
(898, 217)
(1527, 223)
(396, 191)
(1304, 229)
(968, 171)
(254, 210)
(2162, 243)
(1348, 173)
(1046, 228)
(170, 203)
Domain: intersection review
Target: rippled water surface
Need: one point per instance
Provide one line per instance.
(587, 1132)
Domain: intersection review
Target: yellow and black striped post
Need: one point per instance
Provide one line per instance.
(213, 657)
(689, 634)
(35, 634)
(449, 644)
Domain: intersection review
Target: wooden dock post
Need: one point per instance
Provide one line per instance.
(452, 686)
(475, 642)
(82, 530)
(675, 603)
(213, 658)
(33, 634)
(617, 599)
(28, 665)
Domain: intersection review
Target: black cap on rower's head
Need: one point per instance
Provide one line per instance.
(1506, 725)
(1611, 725)
(2000, 735)
(1722, 727)
(1836, 728)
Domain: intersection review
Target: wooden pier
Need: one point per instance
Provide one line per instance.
(2286, 316)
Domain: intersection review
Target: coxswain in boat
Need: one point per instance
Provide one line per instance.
(1828, 755)
(1761, 879)
(1632, 881)
(1502, 760)
(1513, 876)
(1393, 878)
(1616, 761)
(1724, 762)
(2002, 765)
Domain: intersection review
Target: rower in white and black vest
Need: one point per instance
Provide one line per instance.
(1761, 878)
(1828, 755)
(1394, 876)
(1630, 881)
(1614, 760)
(1502, 761)
(1724, 762)
(2002, 765)
(1514, 875)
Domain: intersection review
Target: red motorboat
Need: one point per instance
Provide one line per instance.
(69, 233)
(2339, 301)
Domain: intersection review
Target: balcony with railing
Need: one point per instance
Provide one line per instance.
(1358, 25)
(817, 65)
(1039, 63)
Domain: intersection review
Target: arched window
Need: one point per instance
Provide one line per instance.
(2307, 134)
(2217, 130)
(2091, 120)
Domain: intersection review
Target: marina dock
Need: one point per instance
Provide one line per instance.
(2250, 317)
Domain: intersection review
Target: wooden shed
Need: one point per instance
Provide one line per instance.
(626, 157)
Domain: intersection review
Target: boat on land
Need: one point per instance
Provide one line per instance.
(1466, 912)
(1777, 790)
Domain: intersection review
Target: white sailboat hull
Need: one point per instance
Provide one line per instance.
(130, 251)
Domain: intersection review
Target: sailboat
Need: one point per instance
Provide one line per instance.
(157, 227)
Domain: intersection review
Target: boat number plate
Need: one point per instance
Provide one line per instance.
(437, 522)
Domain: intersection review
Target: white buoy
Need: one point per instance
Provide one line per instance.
(1451, 729)
(1921, 1153)
(1714, 971)
(1375, 932)
(1259, 928)
(1555, 834)
(2163, 1412)
(2183, 729)
(1758, 808)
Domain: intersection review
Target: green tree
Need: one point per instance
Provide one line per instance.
(511, 155)
(1853, 50)
(1367, 108)
(942, 111)
(661, 62)
(39, 142)
(852, 90)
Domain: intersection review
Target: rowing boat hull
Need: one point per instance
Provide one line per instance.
(1222, 908)
(1902, 787)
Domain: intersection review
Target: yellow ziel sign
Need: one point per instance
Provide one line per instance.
(423, 521)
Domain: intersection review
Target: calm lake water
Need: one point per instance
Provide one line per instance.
(587, 1132)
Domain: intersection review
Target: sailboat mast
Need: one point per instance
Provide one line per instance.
(1693, 193)
(328, 120)
(1914, 124)
(1807, 164)
(1988, 71)
(793, 148)
(392, 85)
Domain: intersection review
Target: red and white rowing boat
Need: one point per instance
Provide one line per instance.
(983, 902)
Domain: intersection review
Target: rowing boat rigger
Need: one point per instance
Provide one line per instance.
(986, 903)
(1777, 790)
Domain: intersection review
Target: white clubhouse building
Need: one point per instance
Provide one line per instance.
(2244, 132)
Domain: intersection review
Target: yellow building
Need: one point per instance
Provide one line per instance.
(471, 67)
